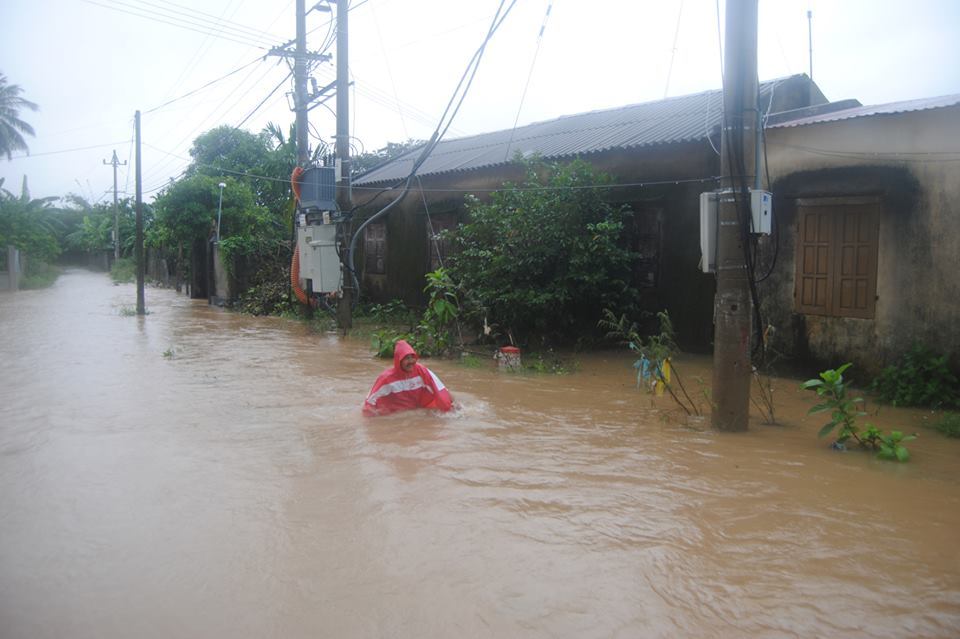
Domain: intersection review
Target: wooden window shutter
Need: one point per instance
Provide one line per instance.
(814, 285)
(855, 291)
(837, 244)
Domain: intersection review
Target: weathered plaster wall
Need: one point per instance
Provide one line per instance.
(906, 160)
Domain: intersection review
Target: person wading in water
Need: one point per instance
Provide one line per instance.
(406, 385)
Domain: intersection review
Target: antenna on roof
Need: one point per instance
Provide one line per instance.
(810, 39)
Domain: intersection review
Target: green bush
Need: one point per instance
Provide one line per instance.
(920, 378)
(949, 425)
(541, 259)
(40, 277)
(123, 270)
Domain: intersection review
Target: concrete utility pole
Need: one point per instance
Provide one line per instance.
(733, 304)
(116, 212)
(300, 85)
(138, 246)
(344, 199)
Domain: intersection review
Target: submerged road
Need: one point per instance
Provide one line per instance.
(198, 473)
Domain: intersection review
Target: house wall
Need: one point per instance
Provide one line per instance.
(910, 161)
(653, 179)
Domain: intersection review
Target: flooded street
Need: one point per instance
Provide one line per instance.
(198, 473)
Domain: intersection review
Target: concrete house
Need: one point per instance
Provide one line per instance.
(863, 260)
(867, 199)
(662, 154)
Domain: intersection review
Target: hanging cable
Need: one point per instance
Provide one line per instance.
(207, 85)
(523, 96)
(465, 82)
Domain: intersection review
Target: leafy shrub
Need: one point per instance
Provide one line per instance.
(920, 378)
(393, 312)
(544, 259)
(830, 388)
(949, 425)
(39, 275)
(267, 298)
(123, 270)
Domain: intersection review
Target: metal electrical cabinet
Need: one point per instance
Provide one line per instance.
(319, 262)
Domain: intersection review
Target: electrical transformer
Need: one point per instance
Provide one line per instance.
(317, 224)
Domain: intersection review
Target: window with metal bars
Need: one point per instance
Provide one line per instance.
(375, 248)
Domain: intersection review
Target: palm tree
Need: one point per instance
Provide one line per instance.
(11, 126)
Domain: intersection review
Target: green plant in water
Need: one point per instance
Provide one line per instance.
(654, 351)
(123, 270)
(844, 411)
(949, 425)
(920, 378)
(168, 354)
(469, 360)
(440, 316)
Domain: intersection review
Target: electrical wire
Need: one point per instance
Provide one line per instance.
(466, 80)
(203, 29)
(205, 86)
(79, 148)
(262, 102)
(673, 54)
(523, 96)
(202, 16)
(698, 180)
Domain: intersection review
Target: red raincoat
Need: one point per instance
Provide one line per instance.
(396, 389)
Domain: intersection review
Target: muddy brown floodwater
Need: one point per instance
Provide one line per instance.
(198, 473)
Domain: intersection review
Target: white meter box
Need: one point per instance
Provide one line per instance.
(319, 261)
(761, 206)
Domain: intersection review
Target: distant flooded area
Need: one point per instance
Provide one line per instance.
(197, 473)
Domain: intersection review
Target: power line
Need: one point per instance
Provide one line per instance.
(262, 102)
(203, 29)
(526, 85)
(79, 148)
(208, 84)
(218, 21)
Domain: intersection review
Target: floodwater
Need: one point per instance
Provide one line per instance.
(197, 473)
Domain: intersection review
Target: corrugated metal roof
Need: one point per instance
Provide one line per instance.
(673, 120)
(891, 108)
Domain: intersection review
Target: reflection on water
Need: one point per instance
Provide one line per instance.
(196, 473)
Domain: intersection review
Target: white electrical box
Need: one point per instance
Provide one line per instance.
(761, 207)
(708, 231)
(319, 261)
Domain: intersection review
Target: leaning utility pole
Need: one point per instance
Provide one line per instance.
(344, 200)
(116, 214)
(138, 246)
(733, 304)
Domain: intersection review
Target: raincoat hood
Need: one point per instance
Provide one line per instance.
(400, 350)
(396, 389)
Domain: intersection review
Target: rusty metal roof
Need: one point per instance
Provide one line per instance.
(673, 120)
(891, 108)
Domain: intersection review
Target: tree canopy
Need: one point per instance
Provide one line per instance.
(12, 128)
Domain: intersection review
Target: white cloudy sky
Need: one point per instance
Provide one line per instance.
(90, 64)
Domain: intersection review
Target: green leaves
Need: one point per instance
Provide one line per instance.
(844, 413)
(543, 257)
(920, 378)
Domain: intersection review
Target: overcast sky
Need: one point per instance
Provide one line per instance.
(90, 64)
